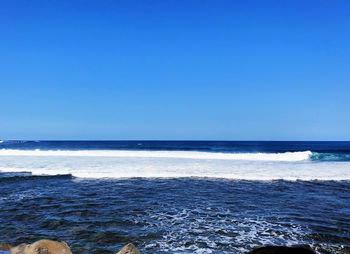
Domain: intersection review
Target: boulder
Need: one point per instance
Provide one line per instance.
(282, 250)
(129, 249)
(42, 247)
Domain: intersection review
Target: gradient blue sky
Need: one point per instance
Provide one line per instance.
(228, 70)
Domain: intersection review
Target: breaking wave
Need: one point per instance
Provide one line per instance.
(329, 157)
(287, 156)
(303, 165)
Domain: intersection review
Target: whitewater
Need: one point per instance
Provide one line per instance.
(173, 164)
(288, 156)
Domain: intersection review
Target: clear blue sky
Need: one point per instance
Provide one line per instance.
(175, 69)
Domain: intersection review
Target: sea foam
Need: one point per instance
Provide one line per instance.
(287, 156)
(173, 164)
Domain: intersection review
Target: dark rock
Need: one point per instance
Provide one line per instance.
(282, 250)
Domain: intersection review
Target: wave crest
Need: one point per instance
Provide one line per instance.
(287, 156)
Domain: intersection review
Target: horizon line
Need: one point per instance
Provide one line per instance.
(172, 140)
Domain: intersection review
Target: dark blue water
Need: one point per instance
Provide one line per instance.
(220, 146)
(176, 215)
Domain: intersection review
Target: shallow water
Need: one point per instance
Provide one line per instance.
(182, 215)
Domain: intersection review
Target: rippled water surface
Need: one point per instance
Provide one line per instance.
(182, 215)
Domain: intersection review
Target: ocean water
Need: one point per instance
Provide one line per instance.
(176, 196)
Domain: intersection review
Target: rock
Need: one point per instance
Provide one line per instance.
(282, 250)
(42, 247)
(5, 246)
(129, 249)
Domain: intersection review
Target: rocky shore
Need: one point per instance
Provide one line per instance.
(52, 247)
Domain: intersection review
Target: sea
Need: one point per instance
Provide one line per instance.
(176, 196)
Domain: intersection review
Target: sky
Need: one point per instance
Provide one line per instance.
(175, 70)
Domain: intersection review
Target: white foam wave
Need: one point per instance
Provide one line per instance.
(124, 167)
(287, 156)
(171, 164)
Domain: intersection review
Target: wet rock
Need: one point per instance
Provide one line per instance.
(282, 250)
(42, 247)
(129, 249)
(5, 246)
